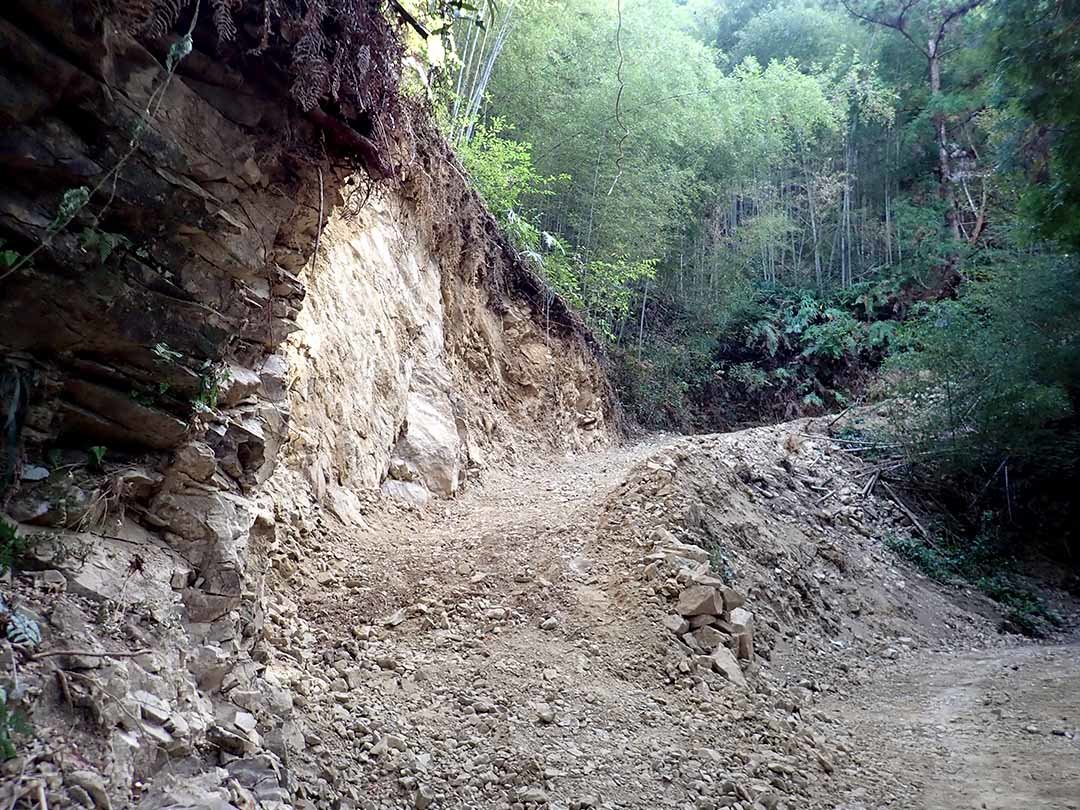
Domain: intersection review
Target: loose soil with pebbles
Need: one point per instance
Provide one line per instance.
(521, 646)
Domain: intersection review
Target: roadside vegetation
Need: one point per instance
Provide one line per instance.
(774, 208)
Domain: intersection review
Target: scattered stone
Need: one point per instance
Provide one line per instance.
(94, 786)
(676, 624)
(532, 795)
(698, 600)
(825, 761)
(79, 796)
(32, 473)
(724, 663)
(674, 550)
(387, 662)
(546, 713)
(152, 707)
(742, 621)
(51, 580)
(423, 798)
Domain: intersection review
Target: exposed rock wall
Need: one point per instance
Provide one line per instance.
(157, 355)
(405, 373)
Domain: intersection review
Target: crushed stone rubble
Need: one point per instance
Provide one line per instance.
(654, 626)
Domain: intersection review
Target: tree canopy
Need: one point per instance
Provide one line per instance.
(758, 202)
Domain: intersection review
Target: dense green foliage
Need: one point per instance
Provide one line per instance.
(1037, 48)
(1005, 359)
(758, 201)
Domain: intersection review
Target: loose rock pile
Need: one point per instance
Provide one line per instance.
(574, 636)
(709, 621)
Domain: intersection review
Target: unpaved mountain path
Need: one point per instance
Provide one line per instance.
(521, 521)
(499, 653)
(993, 729)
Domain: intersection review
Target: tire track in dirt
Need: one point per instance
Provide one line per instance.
(995, 729)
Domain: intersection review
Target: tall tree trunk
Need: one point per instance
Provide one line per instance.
(945, 182)
(815, 236)
(641, 325)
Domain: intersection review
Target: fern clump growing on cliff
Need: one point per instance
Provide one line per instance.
(343, 55)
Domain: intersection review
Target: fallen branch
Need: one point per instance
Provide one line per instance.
(904, 508)
(407, 16)
(860, 443)
(65, 689)
(871, 483)
(825, 497)
(840, 415)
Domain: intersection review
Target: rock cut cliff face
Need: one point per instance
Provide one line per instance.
(235, 325)
(405, 372)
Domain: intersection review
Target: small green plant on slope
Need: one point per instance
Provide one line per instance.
(21, 631)
(12, 547)
(103, 243)
(12, 724)
(211, 379)
(983, 564)
(150, 395)
(97, 456)
(166, 353)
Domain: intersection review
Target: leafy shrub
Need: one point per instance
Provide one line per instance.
(749, 376)
(984, 563)
(1024, 609)
(503, 172)
(766, 355)
(939, 566)
(833, 337)
(664, 386)
(991, 383)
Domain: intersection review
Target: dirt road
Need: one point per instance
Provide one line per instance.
(505, 650)
(994, 729)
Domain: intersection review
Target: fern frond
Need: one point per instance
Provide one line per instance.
(223, 18)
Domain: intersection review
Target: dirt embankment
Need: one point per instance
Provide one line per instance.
(224, 336)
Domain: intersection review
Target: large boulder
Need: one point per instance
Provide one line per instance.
(432, 447)
(700, 600)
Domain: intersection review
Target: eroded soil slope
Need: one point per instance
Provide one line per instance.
(518, 647)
